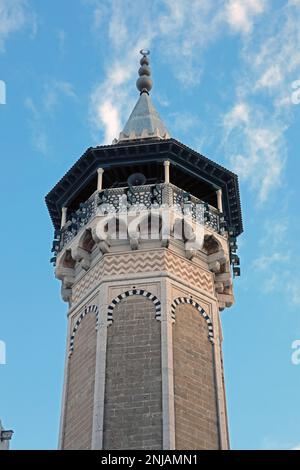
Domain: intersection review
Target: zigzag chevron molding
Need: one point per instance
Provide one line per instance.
(149, 261)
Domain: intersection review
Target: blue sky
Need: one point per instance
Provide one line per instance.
(226, 83)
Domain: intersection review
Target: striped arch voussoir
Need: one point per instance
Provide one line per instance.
(185, 300)
(89, 309)
(129, 293)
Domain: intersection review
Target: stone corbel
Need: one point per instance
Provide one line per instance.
(225, 279)
(218, 263)
(66, 293)
(219, 256)
(82, 256)
(190, 253)
(225, 300)
(66, 275)
(166, 228)
(99, 239)
(214, 266)
(219, 287)
(134, 240)
(134, 233)
(224, 288)
(103, 246)
(192, 247)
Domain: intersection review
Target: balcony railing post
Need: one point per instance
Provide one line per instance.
(167, 194)
(167, 171)
(63, 216)
(219, 199)
(100, 172)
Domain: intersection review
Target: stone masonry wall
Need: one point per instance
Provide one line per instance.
(196, 424)
(80, 388)
(133, 392)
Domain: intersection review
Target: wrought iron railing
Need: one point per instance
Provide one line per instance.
(136, 198)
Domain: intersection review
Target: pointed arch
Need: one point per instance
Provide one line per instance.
(129, 293)
(211, 244)
(86, 241)
(186, 300)
(88, 309)
(66, 260)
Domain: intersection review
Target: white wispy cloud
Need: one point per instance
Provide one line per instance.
(14, 15)
(255, 134)
(188, 28)
(179, 29)
(112, 98)
(274, 256)
(241, 14)
(54, 90)
(277, 263)
(40, 110)
(276, 231)
(38, 133)
(293, 289)
(277, 443)
(61, 38)
(276, 62)
(99, 11)
(254, 142)
(184, 121)
(184, 28)
(266, 261)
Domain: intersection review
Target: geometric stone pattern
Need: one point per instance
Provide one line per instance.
(189, 272)
(196, 422)
(133, 381)
(144, 261)
(78, 415)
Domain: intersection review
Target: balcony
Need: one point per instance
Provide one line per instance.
(138, 198)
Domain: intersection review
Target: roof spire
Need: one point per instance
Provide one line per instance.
(144, 121)
(144, 82)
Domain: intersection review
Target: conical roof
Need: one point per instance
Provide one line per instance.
(144, 121)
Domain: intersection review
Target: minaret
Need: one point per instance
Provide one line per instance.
(145, 248)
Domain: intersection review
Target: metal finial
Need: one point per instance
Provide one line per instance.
(144, 82)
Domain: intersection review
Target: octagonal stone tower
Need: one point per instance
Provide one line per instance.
(145, 248)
